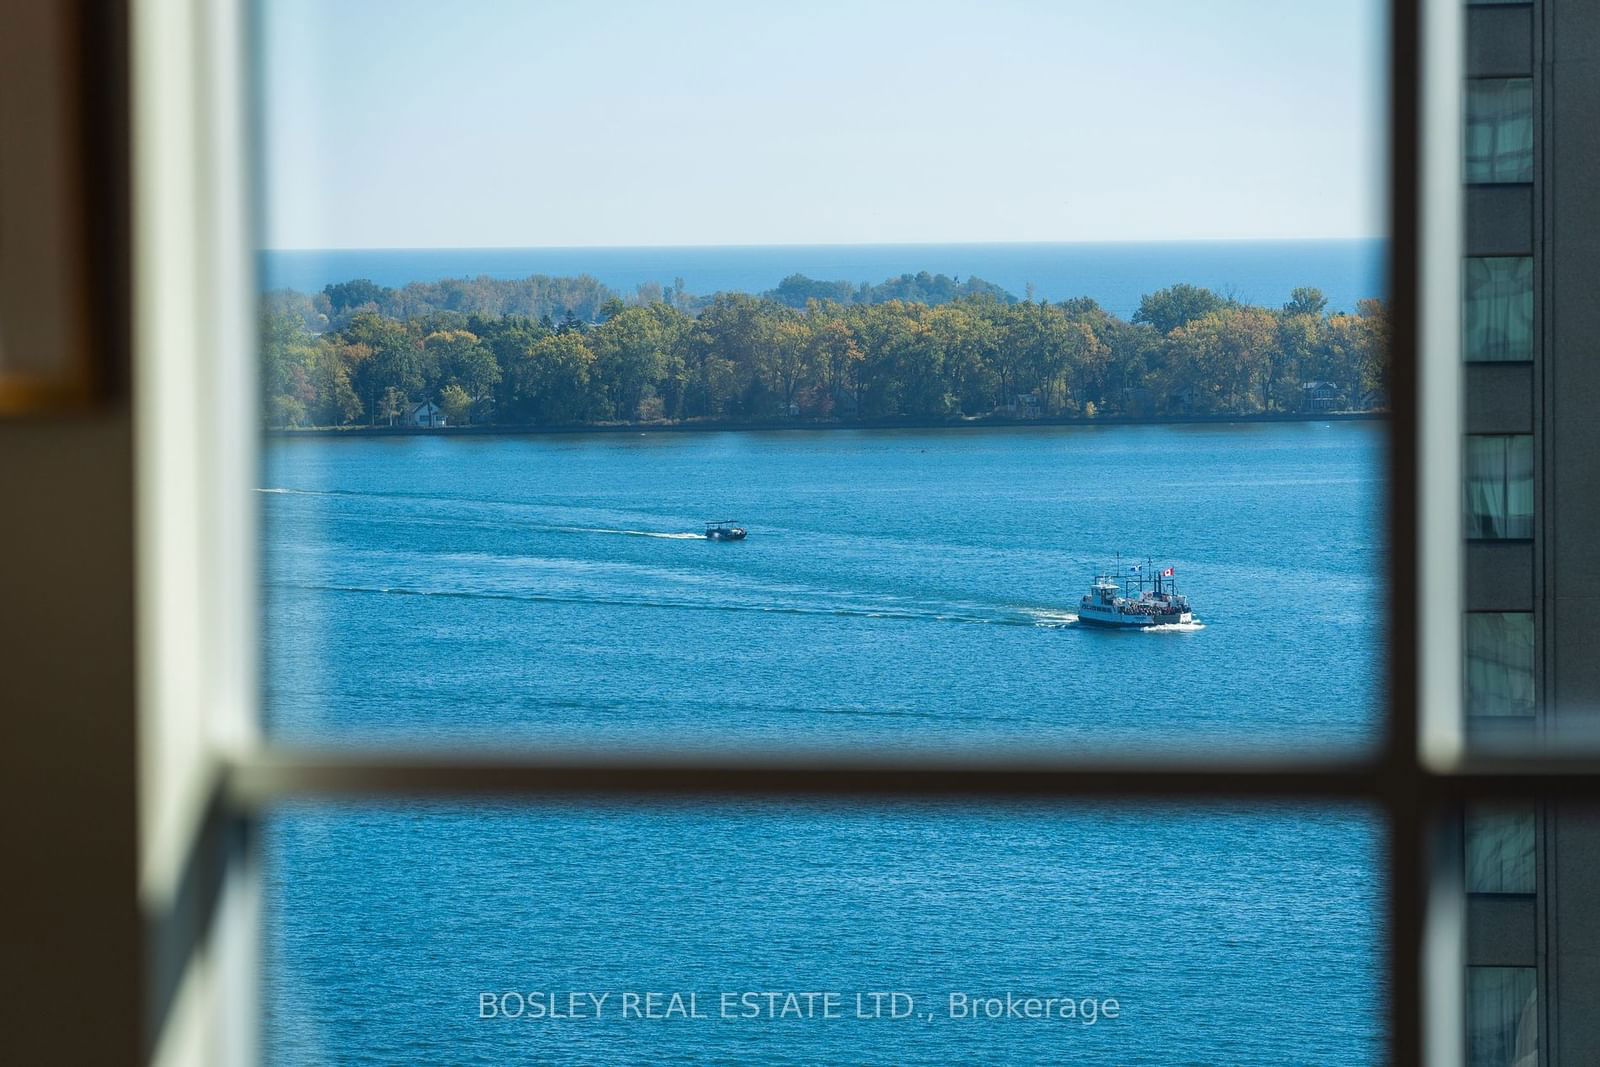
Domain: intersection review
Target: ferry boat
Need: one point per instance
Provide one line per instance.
(1121, 600)
(724, 530)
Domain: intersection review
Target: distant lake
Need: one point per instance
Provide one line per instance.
(1261, 272)
(901, 589)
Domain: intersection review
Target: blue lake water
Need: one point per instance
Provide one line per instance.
(909, 588)
(1224, 937)
(1116, 274)
(901, 589)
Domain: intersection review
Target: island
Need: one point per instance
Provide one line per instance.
(545, 352)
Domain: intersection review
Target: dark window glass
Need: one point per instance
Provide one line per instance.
(1502, 1017)
(1499, 130)
(1499, 654)
(1499, 850)
(1498, 320)
(1499, 486)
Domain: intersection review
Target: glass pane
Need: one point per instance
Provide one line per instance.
(1499, 308)
(535, 323)
(443, 934)
(1499, 651)
(1500, 850)
(1503, 1018)
(1499, 130)
(1499, 486)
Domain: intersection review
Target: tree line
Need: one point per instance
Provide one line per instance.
(916, 346)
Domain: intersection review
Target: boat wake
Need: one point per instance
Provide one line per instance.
(964, 614)
(631, 533)
(666, 535)
(1175, 628)
(1055, 620)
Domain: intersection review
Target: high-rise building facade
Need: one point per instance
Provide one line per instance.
(1531, 510)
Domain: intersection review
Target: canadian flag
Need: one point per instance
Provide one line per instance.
(1167, 573)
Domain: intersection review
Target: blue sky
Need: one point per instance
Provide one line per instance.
(415, 123)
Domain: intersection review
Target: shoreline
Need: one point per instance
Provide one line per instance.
(978, 422)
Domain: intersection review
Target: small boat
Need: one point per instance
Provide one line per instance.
(724, 530)
(1121, 600)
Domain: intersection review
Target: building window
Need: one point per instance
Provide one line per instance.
(1500, 850)
(1499, 657)
(1503, 1018)
(1499, 130)
(1498, 320)
(1499, 486)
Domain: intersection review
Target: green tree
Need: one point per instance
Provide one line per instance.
(728, 339)
(919, 344)
(289, 364)
(1300, 337)
(337, 402)
(786, 344)
(391, 405)
(1219, 360)
(459, 357)
(457, 404)
(1375, 338)
(354, 294)
(630, 350)
(1305, 300)
(550, 380)
(835, 358)
(959, 337)
(395, 364)
(1167, 309)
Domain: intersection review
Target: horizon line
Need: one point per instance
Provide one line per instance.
(819, 244)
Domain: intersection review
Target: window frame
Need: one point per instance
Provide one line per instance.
(209, 777)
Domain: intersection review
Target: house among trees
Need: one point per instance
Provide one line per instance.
(427, 415)
(1139, 401)
(1320, 397)
(1022, 406)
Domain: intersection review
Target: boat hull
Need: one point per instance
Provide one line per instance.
(1119, 621)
